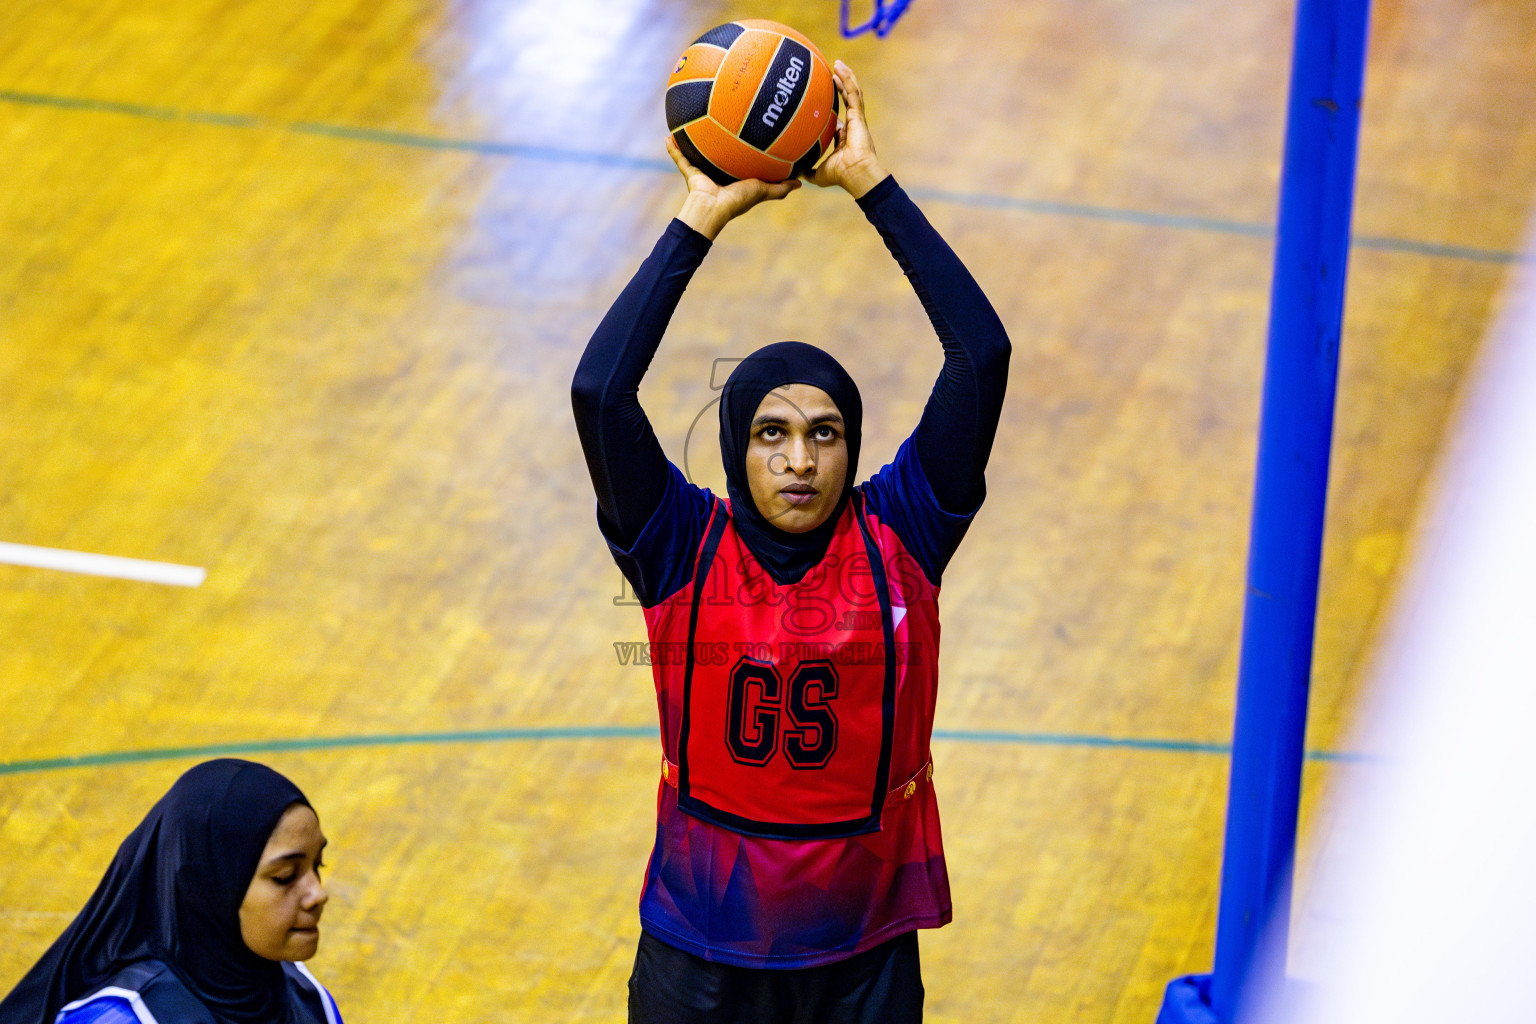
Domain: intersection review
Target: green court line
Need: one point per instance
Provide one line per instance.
(128, 109)
(620, 161)
(580, 732)
(1127, 742)
(273, 746)
(1110, 213)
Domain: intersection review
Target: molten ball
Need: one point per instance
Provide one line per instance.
(752, 99)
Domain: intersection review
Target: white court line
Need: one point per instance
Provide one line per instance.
(102, 565)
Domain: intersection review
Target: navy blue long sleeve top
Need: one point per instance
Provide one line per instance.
(953, 438)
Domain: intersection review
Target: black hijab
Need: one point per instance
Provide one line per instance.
(786, 556)
(173, 894)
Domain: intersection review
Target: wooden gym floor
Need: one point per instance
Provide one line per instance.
(293, 293)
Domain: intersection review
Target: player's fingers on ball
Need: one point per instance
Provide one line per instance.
(850, 84)
(840, 78)
(855, 104)
(847, 94)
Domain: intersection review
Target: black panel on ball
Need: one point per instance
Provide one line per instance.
(806, 164)
(687, 102)
(721, 35)
(779, 95)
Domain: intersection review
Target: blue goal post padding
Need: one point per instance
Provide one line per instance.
(1187, 1000)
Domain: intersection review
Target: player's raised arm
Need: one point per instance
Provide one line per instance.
(954, 437)
(624, 458)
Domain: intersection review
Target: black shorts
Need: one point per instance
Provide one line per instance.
(883, 985)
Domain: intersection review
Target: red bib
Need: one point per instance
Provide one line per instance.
(789, 690)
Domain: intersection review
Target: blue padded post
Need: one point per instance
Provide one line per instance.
(1290, 490)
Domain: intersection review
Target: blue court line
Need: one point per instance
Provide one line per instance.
(585, 732)
(555, 154)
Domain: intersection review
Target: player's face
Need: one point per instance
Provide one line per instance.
(280, 918)
(797, 457)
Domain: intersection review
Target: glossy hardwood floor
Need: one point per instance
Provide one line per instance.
(293, 293)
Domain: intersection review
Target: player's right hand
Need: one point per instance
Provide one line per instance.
(709, 207)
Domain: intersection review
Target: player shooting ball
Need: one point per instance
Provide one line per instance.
(797, 838)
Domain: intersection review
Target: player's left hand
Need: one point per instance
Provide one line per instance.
(852, 164)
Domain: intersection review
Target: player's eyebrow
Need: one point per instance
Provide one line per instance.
(778, 419)
(297, 854)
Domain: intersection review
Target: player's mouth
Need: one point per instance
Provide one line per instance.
(799, 494)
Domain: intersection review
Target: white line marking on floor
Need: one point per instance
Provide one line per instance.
(102, 565)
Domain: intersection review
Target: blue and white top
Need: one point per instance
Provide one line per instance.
(149, 992)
